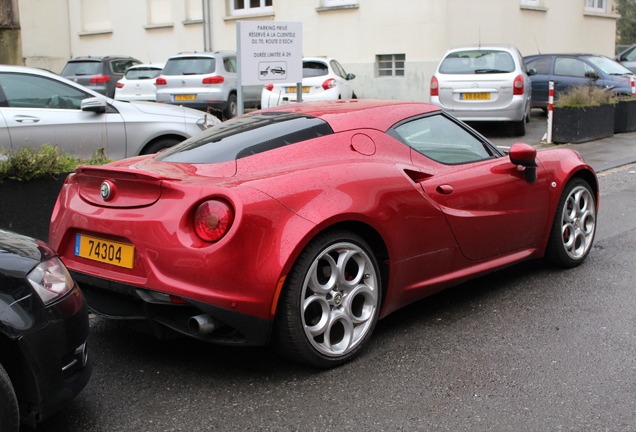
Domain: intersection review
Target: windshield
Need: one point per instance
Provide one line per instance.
(142, 73)
(82, 68)
(477, 61)
(245, 136)
(314, 69)
(608, 66)
(189, 66)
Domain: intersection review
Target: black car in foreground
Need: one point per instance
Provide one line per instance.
(43, 330)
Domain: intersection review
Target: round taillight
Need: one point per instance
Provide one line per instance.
(161, 81)
(269, 87)
(434, 87)
(119, 85)
(213, 220)
(329, 84)
(518, 85)
(213, 80)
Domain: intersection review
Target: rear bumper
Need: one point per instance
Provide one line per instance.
(116, 300)
(514, 111)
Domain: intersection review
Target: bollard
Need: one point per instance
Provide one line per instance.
(551, 109)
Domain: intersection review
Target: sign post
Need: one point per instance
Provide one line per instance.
(268, 51)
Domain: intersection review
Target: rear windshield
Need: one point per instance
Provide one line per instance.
(313, 69)
(477, 61)
(245, 136)
(82, 68)
(189, 66)
(142, 73)
(120, 66)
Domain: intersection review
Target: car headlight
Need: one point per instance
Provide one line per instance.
(51, 280)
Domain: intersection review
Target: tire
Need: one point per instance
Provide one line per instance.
(159, 145)
(353, 96)
(330, 302)
(9, 413)
(574, 225)
(231, 110)
(519, 128)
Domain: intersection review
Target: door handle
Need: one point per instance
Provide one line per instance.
(445, 189)
(26, 119)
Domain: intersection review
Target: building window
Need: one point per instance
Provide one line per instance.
(596, 6)
(390, 65)
(159, 12)
(95, 15)
(334, 3)
(251, 7)
(535, 3)
(194, 10)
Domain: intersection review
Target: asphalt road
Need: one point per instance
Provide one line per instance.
(530, 348)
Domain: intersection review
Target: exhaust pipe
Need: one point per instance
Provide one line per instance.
(200, 325)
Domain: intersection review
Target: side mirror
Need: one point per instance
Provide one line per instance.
(525, 155)
(94, 104)
(532, 71)
(592, 75)
(350, 76)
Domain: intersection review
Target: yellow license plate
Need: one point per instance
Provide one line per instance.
(293, 89)
(185, 97)
(474, 96)
(106, 251)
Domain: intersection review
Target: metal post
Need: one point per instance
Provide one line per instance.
(299, 92)
(239, 71)
(207, 25)
(550, 110)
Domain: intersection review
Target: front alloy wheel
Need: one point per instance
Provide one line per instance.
(574, 225)
(331, 302)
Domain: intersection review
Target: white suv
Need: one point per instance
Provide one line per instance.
(204, 81)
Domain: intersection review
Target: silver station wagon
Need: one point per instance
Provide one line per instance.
(484, 83)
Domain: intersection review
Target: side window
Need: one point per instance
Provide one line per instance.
(338, 69)
(571, 67)
(541, 65)
(442, 140)
(30, 91)
(230, 64)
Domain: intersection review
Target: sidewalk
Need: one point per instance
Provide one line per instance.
(602, 155)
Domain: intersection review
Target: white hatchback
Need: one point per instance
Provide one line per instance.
(484, 83)
(138, 83)
(323, 79)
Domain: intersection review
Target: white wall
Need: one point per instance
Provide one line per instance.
(421, 29)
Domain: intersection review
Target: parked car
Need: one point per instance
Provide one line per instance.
(306, 223)
(138, 83)
(568, 70)
(99, 74)
(204, 81)
(484, 83)
(38, 107)
(323, 79)
(628, 58)
(44, 359)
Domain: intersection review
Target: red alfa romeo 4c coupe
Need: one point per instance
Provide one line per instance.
(304, 224)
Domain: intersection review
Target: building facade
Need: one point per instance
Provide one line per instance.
(392, 48)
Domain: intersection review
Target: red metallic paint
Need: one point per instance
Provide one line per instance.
(358, 176)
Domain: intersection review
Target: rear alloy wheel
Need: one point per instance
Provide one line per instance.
(9, 413)
(574, 225)
(331, 300)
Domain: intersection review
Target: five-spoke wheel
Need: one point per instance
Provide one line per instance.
(574, 225)
(331, 302)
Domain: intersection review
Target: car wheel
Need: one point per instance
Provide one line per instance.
(331, 300)
(160, 145)
(353, 96)
(574, 225)
(519, 128)
(231, 110)
(9, 414)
